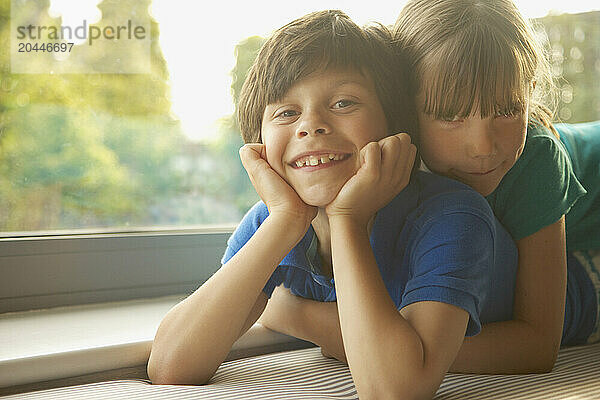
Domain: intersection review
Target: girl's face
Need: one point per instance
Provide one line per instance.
(473, 150)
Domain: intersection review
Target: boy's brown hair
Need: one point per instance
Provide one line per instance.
(467, 53)
(315, 42)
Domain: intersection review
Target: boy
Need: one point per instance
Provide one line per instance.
(413, 262)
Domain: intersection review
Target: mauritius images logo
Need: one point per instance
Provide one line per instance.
(113, 39)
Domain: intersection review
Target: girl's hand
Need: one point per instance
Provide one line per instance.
(275, 192)
(385, 168)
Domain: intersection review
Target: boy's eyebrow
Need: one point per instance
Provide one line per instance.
(343, 82)
(333, 84)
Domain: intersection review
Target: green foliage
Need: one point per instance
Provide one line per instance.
(85, 150)
(231, 178)
(574, 52)
(245, 54)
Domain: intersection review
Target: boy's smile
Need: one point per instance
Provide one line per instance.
(314, 134)
(312, 161)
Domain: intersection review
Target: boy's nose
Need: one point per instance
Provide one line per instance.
(312, 124)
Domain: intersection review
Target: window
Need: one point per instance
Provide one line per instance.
(120, 177)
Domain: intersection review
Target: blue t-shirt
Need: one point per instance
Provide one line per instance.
(438, 240)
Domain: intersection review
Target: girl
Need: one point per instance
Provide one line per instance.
(478, 79)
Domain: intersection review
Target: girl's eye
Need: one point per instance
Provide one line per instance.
(456, 118)
(344, 103)
(515, 112)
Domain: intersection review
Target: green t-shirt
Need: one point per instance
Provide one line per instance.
(539, 188)
(583, 221)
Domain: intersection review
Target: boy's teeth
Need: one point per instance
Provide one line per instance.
(312, 160)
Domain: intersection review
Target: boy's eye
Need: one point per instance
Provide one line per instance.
(343, 103)
(287, 114)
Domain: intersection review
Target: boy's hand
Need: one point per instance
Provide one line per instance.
(284, 313)
(311, 320)
(385, 169)
(275, 192)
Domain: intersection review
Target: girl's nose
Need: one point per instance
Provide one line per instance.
(482, 140)
(312, 123)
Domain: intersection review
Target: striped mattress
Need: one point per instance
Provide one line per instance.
(306, 374)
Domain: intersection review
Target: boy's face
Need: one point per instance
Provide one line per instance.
(314, 134)
(473, 150)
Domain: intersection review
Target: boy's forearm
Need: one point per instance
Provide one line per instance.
(322, 327)
(197, 334)
(384, 352)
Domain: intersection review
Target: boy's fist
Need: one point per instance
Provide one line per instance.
(274, 191)
(385, 169)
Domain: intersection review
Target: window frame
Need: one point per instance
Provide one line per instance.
(55, 270)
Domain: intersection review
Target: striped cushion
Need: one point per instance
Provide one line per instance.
(305, 374)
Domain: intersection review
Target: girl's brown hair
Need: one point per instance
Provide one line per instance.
(464, 54)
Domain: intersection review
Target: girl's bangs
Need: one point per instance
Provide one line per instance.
(458, 80)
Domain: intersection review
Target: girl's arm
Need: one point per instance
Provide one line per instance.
(196, 335)
(530, 342)
(391, 354)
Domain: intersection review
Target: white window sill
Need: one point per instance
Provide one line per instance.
(62, 342)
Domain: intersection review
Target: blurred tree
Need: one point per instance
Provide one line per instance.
(85, 150)
(245, 54)
(574, 51)
(232, 174)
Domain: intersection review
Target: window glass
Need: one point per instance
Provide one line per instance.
(126, 132)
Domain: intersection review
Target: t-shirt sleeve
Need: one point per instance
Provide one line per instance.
(539, 189)
(452, 261)
(242, 234)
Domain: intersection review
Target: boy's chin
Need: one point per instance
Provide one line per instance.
(320, 199)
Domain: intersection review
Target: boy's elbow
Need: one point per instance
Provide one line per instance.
(165, 376)
(171, 373)
(405, 389)
(159, 374)
(404, 393)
